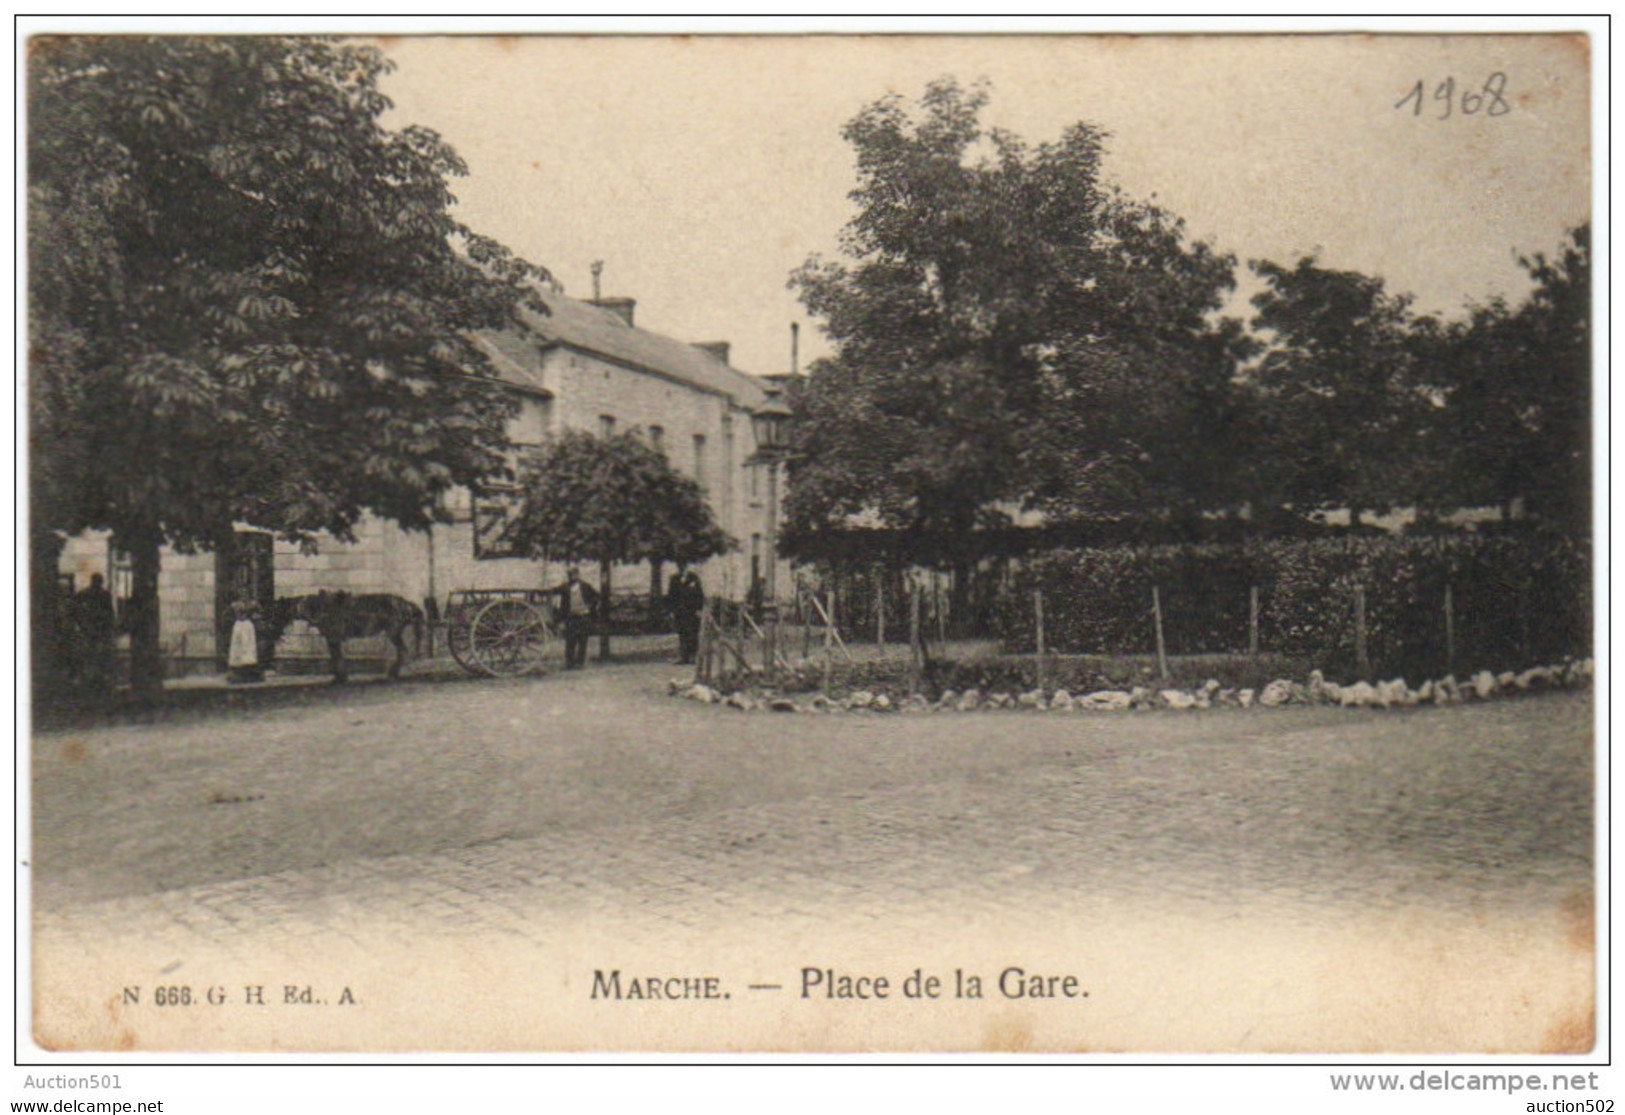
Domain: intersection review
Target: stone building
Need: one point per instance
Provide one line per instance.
(585, 365)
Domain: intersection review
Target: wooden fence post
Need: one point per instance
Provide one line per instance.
(769, 633)
(916, 659)
(1038, 621)
(699, 651)
(829, 637)
(1449, 630)
(714, 659)
(880, 605)
(702, 659)
(1252, 621)
(942, 612)
(1523, 624)
(1156, 615)
(1362, 654)
(806, 627)
(606, 599)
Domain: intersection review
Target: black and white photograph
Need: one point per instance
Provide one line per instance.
(910, 544)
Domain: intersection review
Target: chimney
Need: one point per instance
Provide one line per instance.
(620, 307)
(795, 348)
(718, 349)
(597, 275)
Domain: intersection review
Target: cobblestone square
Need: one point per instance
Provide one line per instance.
(464, 856)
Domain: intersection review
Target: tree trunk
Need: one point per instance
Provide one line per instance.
(225, 545)
(604, 569)
(146, 654)
(47, 639)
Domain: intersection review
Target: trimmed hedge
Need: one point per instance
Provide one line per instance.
(993, 672)
(1514, 599)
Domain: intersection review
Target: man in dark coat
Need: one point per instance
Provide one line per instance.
(687, 599)
(95, 626)
(577, 602)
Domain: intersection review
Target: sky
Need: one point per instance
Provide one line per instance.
(703, 170)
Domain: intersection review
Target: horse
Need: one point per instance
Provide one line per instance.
(342, 615)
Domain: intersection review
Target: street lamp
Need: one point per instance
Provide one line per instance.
(770, 422)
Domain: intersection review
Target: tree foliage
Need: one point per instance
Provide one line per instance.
(1338, 391)
(1363, 405)
(1515, 389)
(612, 501)
(1011, 333)
(993, 296)
(248, 300)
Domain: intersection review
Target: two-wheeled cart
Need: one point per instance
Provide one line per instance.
(499, 632)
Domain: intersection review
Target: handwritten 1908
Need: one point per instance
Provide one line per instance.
(1460, 99)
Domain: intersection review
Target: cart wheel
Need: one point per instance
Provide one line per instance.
(459, 627)
(508, 638)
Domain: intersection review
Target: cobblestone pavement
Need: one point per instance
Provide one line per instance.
(509, 818)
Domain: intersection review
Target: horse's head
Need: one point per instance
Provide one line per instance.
(284, 610)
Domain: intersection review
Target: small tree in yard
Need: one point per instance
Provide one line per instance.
(248, 302)
(613, 501)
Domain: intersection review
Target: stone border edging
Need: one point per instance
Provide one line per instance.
(1279, 693)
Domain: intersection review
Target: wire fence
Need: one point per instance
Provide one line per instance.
(1358, 608)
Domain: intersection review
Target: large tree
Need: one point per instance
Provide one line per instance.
(249, 301)
(1515, 390)
(612, 501)
(1340, 399)
(1363, 405)
(992, 295)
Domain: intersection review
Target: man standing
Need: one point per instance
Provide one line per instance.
(687, 600)
(577, 602)
(96, 630)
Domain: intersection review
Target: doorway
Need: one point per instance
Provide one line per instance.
(245, 571)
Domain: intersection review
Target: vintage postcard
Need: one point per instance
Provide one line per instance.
(831, 543)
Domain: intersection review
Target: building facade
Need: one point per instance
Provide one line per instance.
(583, 365)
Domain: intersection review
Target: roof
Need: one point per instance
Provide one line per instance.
(506, 351)
(587, 327)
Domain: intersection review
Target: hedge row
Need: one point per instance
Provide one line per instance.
(1513, 599)
(1021, 673)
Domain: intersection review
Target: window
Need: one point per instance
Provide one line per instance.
(252, 568)
(606, 425)
(493, 514)
(529, 427)
(121, 575)
(657, 439)
(755, 483)
(699, 460)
